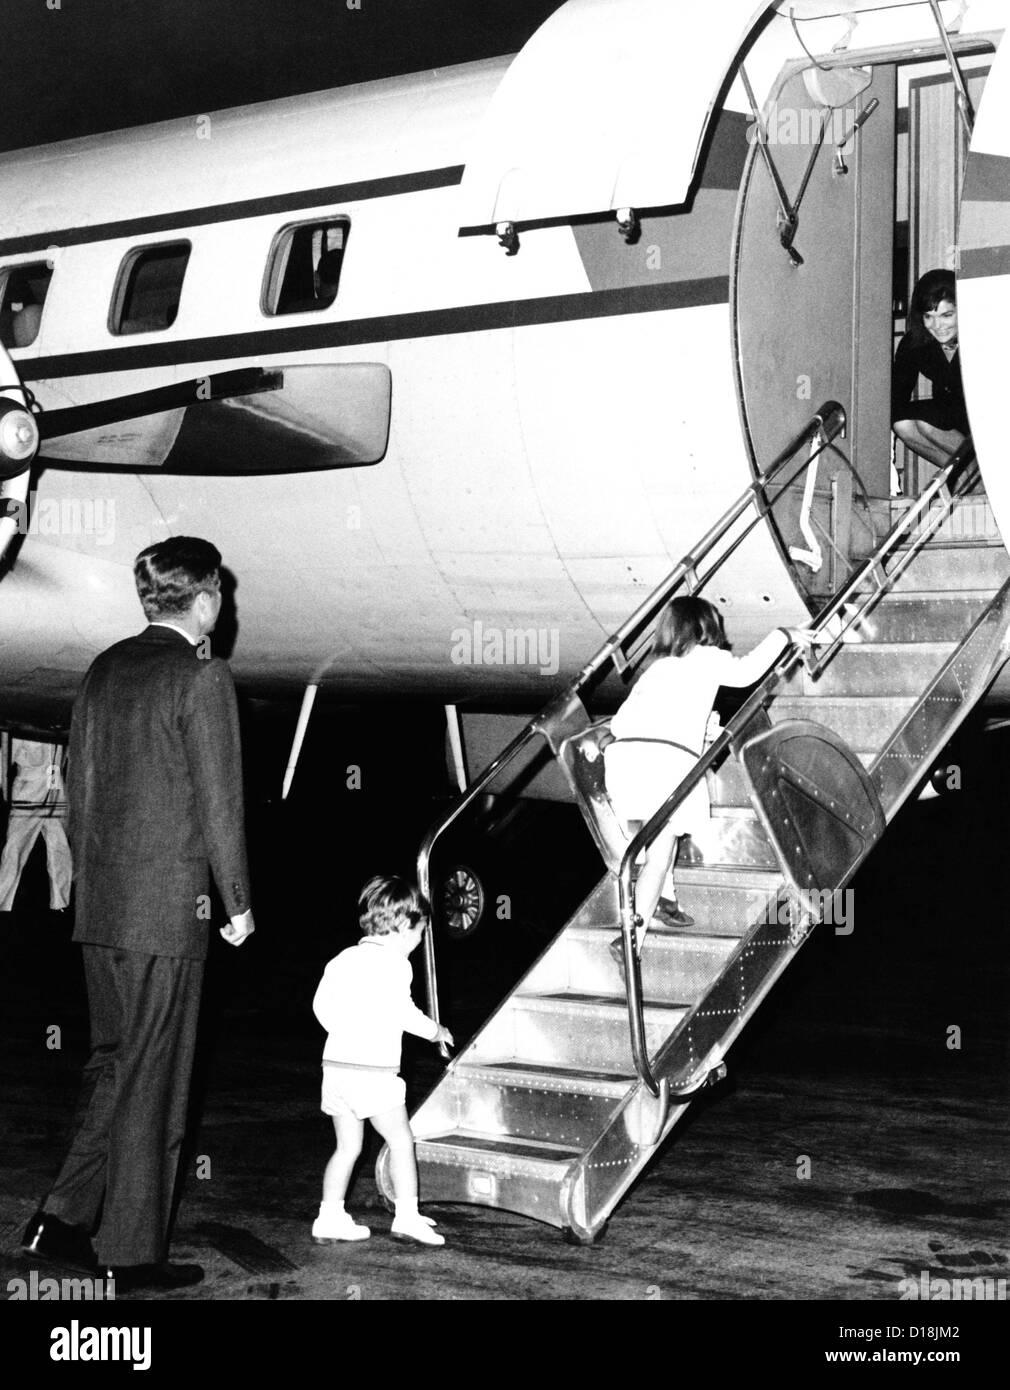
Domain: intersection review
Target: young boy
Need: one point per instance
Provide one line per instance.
(363, 1001)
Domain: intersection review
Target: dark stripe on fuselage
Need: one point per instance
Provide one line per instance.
(359, 192)
(471, 318)
(721, 167)
(987, 179)
(725, 153)
(984, 261)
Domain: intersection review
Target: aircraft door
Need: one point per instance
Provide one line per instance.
(983, 280)
(812, 312)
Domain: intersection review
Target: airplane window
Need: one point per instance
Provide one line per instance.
(21, 301)
(303, 270)
(149, 288)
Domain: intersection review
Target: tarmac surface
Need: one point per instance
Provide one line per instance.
(852, 1148)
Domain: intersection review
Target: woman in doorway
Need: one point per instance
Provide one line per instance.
(936, 428)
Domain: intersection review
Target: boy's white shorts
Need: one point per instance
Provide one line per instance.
(361, 1092)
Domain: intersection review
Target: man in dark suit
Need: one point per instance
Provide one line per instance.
(155, 793)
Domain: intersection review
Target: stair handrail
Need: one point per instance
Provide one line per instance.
(951, 482)
(829, 422)
(826, 425)
(842, 612)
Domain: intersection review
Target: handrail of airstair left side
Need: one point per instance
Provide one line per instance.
(825, 426)
(840, 614)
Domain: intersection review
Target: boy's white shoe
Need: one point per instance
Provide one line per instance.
(340, 1226)
(413, 1226)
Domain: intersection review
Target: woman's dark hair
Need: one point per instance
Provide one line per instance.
(169, 575)
(688, 622)
(930, 292)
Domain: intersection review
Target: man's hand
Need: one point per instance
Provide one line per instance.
(239, 928)
(444, 1036)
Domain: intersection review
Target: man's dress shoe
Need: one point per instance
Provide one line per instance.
(48, 1238)
(155, 1276)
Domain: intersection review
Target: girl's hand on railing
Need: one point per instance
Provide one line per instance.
(804, 637)
(444, 1036)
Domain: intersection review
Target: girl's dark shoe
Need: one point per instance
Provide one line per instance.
(617, 954)
(671, 914)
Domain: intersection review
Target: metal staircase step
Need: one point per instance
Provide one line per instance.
(863, 721)
(713, 888)
(554, 1077)
(971, 522)
(491, 1170)
(733, 838)
(580, 1004)
(878, 668)
(925, 615)
(562, 1105)
(600, 908)
(956, 567)
(724, 900)
(674, 966)
(505, 1146)
(571, 1029)
(727, 788)
(750, 880)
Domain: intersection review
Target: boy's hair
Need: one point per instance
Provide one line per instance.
(688, 622)
(388, 903)
(170, 574)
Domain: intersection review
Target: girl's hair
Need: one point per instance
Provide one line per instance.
(930, 292)
(688, 622)
(388, 903)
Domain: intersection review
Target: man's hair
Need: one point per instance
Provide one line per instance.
(388, 903)
(169, 575)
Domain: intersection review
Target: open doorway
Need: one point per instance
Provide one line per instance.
(881, 173)
(931, 151)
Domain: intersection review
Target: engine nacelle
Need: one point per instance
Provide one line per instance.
(19, 438)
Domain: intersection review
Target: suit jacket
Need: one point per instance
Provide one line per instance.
(155, 796)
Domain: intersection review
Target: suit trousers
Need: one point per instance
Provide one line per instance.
(131, 1121)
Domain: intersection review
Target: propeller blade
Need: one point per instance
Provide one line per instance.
(247, 381)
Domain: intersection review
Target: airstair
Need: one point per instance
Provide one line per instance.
(558, 1102)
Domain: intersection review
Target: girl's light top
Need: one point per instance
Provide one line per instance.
(673, 698)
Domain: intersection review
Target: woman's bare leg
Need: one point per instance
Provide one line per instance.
(658, 863)
(935, 445)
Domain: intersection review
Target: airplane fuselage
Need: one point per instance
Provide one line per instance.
(558, 425)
